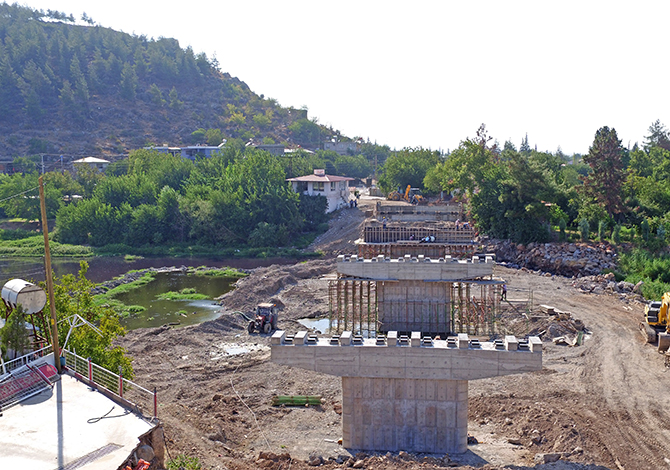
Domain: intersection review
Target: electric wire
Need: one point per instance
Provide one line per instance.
(19, 194)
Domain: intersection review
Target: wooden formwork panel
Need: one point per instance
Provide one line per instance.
(414, 306)
(391, 234)
(429, 250)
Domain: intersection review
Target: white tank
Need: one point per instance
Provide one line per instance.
(31, 297)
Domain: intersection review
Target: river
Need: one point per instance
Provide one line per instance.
(156, 312)
(105, 268)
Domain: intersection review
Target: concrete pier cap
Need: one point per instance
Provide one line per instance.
(406, 392)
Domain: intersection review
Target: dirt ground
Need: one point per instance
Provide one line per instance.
(598, 405)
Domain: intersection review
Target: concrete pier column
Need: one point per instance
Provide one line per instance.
(414, 415)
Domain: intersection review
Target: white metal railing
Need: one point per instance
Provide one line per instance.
(142, 400)
(9, 366)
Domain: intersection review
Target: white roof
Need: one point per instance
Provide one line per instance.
(90, 160)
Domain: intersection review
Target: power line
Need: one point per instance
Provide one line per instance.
(19, 194)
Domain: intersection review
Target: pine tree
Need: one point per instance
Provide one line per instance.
(603, 183)
(525, 148)
(128, 82)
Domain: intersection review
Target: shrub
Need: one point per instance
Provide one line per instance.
(644, 228)
(561, 230)
(185, 462)
(584, 229)
(616, 234)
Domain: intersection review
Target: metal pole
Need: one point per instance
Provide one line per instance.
(120, 382)
(155, 404)
(90, 371)
(49, 278)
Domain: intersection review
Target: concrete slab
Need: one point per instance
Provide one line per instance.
(57, 428)
(413, 269)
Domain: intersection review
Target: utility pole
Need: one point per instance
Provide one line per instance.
(49, 277)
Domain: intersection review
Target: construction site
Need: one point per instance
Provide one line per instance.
(429, 354)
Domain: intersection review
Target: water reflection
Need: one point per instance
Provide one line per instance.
(105, 268)
(177, 312)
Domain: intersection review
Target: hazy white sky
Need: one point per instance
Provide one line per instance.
(428, 73)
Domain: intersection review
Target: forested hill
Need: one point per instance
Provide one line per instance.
(88, 90)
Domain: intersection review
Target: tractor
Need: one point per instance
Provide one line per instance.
(265, 318)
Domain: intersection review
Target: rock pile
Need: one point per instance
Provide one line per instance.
(565, 259)
(606, 283)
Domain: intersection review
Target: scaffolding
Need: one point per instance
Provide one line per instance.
(414, 249)
(368, 307)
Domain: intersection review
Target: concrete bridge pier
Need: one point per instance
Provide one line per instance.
(406, 392)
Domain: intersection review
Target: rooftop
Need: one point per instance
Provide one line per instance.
(320, 176)
(60, 428)
(91, 160)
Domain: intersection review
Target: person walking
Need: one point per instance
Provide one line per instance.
(504, 292)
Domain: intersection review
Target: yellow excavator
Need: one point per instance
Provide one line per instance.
(656, 318)
(411, 195)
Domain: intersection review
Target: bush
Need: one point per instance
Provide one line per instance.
(268, 235)
(644, 228)
(185, 462)
(561, 230)
(602, 228)
(584, 229)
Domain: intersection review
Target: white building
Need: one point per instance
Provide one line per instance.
(334, 188)
(97, 163)
(191, 152)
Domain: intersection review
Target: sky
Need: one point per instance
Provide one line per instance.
(429, 73)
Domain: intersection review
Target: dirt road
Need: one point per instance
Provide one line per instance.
(599, 403)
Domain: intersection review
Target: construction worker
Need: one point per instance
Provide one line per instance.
(504, 292)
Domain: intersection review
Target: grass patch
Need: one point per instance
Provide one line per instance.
(201, 251)
(121, 309)
(34, 246)
(218, 272)
(132, 257)
(184, 294)
(184, 462)
(108, 298)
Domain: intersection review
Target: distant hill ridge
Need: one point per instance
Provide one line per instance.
(88, 90)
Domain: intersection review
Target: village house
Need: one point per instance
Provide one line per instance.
(343, 148)
(334, 188)
(97, 163)
(190, 152)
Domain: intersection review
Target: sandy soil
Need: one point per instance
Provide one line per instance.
(598, 404)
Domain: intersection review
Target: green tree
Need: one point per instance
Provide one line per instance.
(644, 228)
(72, 295)
(156, 95)
(306, 132)
(561, 230)
(658, 136)
(14, 336)
(175, 103)
(584, 229)
(129, 81)
(616, 234)
(604, 182)
(408, 167)
(262, 121)
(602, 228)
(213, 137)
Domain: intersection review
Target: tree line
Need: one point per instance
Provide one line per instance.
(521, 194)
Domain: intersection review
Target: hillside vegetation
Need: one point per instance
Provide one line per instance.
(76, 90)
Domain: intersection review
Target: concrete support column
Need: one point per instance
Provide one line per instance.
(415, 415)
